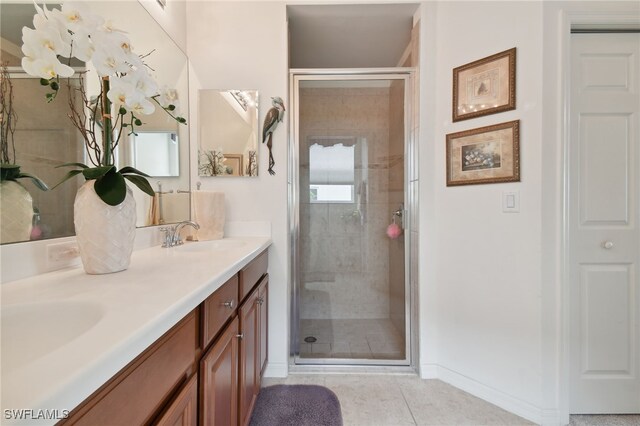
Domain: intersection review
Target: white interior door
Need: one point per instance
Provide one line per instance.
(604, 240)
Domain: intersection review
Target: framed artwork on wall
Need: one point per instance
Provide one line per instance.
(234, 164)
(486, 86)
(488, 154)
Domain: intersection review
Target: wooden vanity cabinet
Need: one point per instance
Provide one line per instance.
(249, 356)
(231, 370)
(219, 379)
(183, 410)
(147, 385)
(253, 348)
(263, 303)
(251, 274)
(206, 370)
(218, 308)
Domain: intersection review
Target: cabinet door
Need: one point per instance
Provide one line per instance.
(263, 303)
(183, 411)
(249, 355)
(219, 380)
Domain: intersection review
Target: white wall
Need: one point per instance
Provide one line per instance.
(485, 264)
(243, 45)
(173, 18)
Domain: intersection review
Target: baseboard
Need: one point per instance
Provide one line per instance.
(489, 394)
(276, 369)
(550, 418)
(428, 371)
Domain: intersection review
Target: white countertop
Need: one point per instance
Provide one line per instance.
(123, 313)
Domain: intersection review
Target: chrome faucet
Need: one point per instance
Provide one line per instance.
(172, 233)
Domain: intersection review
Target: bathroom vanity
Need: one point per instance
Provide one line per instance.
(178, 338)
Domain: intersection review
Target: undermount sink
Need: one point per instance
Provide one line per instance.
(33, 330)
(213, 245)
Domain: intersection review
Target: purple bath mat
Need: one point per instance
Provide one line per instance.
(296, 405)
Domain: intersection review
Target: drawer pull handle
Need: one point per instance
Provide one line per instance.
(229, 304)
(240, 336)
(260, 300)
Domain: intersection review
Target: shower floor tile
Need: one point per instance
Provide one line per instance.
(351, 338)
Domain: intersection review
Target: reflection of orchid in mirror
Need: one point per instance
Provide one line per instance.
(127, 89)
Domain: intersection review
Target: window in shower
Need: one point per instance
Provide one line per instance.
(351, 288)
(331, 171)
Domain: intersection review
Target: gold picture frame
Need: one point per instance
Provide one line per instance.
(234, 164)
(484, 87)
(488, 154)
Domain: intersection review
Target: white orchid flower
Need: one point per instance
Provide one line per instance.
(143, 82)
(47, 67)
(168, 96)
(109, 61)
(82, 46)
(37, 42)
(52, 18)
(138, 105)
(41, 18)
(109, 27)
(120, 91)
(118, 40)
(76, 17)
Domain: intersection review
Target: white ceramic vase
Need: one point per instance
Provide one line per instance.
(105, 233)
(16, 211)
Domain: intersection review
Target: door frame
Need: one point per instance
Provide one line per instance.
(295, 75)
(582, 19)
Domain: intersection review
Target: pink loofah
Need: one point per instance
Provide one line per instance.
(394, 231)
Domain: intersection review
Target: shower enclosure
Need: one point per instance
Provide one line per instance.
(348, 214)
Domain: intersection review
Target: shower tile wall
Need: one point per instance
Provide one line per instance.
(344, 259)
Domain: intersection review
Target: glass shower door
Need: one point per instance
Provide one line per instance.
(351, 288)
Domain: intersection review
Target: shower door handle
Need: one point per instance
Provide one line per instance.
(400, 214)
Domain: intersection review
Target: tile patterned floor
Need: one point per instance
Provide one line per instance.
(390, 400)
(605, 420)
(351, 338)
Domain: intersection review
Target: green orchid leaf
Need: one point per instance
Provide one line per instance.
(96, 172)
(83, 166)
(36, 181)
(141, 183)
(66, 177)
(111, 187)
(131, 170)
(9, 166)
(9, 171)
(12, 172)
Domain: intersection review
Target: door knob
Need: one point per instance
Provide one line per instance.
(607, 245)
(229, 304)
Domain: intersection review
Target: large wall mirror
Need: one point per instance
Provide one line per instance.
(228, 133)
(45, 138)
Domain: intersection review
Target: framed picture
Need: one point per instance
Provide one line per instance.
(485, 155)
(234, 164)
(485, 87)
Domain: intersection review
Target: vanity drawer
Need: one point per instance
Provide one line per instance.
(218, 308)
(252, 273)
(137, 393)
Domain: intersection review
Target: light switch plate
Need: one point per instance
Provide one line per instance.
(511, 202)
